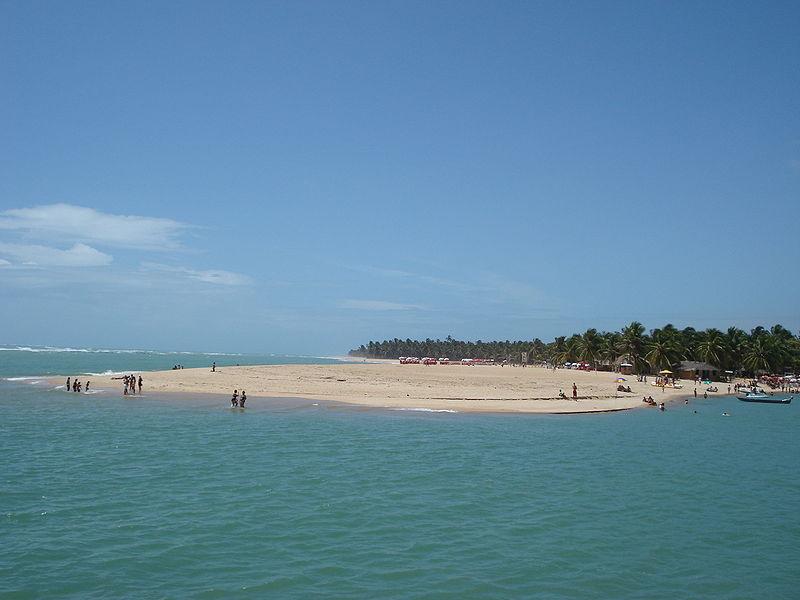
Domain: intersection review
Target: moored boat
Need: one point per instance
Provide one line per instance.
(765, 398)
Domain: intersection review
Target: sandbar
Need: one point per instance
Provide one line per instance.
(436, 387)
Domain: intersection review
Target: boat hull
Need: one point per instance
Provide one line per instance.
(766, 399)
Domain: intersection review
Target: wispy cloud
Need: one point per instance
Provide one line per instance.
(211, 276)
(379, 305)
(4, 262)
(414, 277)
(491, 287)
(78, 223)
(32, 255)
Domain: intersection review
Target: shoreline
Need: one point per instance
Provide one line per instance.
(389, 385)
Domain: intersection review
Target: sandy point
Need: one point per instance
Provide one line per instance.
(437, 387)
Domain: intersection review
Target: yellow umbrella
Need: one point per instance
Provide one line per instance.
(665, 372)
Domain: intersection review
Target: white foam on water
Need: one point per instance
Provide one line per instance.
(106, 373)
(22, 378)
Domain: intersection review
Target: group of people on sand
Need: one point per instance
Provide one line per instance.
(177, 367)
(75, 386)
(130, 384)
(237, 400)
(649, 400)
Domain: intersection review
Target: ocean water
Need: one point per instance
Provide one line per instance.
(31, 361)
(106, 497)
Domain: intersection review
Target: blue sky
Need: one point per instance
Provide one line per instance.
(305, 176)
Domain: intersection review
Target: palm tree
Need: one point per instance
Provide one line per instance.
(632, 343)
(589, 346)
(712, 348)
(558, 349)
(608, 348)
(660, 354)
(759, 354)
(736, 344)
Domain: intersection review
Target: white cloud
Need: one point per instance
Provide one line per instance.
(212, 276)
(80, 255)
(378, 305)
(89, 225)
(4, 263)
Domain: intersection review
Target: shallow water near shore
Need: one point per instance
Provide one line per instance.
(155, 497)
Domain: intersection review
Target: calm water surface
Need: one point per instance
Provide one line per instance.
(107, 497)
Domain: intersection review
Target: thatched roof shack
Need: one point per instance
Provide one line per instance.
(689, 369)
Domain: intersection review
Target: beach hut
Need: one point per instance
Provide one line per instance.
(691, 369)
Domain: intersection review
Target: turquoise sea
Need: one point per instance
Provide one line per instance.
(153, 497)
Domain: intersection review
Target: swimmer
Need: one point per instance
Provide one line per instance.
(725, 414)
(235, 399)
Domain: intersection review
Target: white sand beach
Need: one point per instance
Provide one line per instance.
(437, 387)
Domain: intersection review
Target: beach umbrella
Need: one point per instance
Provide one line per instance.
(620, 379)
(665, 372)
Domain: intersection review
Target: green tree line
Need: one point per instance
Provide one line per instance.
(773, 350)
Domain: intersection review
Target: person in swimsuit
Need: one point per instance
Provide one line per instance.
(68, 382)
(87, 385)
(574, 392)
(234, 399)
(140, 384)
(242, 399)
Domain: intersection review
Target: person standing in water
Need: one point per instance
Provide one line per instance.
(68, 382)
(234, 399)
(140, 384)
(242, 399)
(87, 385)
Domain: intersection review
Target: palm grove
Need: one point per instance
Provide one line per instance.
(774, 350)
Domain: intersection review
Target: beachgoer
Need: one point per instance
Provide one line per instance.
(87, 385)
(705, 395)
(140, 384)
(78, 383)
(574, 392)
(75, 386)
(213, 366)
(125, 391)
(242, 399)
(68, 382)
(695, 392)
(234, 399)
(661, 406)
